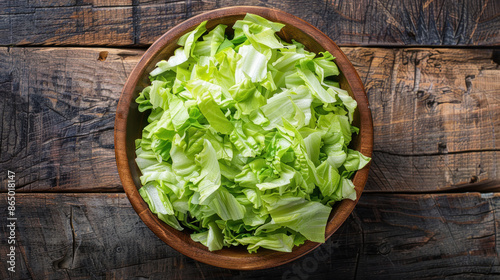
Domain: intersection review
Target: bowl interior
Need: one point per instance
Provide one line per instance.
(130, 122)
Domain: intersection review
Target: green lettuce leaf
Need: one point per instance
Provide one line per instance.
(210, 178)
(307, 217)
(278, 242)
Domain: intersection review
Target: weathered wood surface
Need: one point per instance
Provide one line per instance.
(58, 116)
(63, 236)
(436, 117)
(140, 22)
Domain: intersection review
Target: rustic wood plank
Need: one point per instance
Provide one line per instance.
(412, 236)
(468, 171)
(65, 23)
(141, 22)
(58, 116)
(436, 117)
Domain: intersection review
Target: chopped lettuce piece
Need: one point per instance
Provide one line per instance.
(307, 217)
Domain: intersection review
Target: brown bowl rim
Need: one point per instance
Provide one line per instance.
(223, 257)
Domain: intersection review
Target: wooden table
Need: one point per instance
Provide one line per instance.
(430, 209)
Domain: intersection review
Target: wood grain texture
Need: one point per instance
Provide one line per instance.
(436, 116)
(63, 236)
(57, 116)
(439, 136)
(141, 22)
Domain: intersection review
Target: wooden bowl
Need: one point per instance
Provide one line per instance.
(129, 123)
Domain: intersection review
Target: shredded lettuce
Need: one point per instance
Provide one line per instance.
(247, 141)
